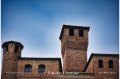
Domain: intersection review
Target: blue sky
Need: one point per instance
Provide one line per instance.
(37, 24)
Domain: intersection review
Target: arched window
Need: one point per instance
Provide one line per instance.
(28, 68)
(100, 63)
(110, 64)
(41, 68)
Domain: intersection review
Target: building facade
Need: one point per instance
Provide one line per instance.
(74, 44)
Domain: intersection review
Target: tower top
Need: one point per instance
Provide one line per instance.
(9, 42)
(73, 27)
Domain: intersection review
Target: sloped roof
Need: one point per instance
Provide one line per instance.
(97, 54)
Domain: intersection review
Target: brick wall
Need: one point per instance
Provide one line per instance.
(50, 65)
(105, 72)
(74, 50)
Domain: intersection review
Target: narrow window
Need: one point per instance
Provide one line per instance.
(110, 64)
(28, 68)
(16, 48)
(41, 68)
(76, 65)
(71, 32)
(100, 63)
(81, 33)
(6, 48)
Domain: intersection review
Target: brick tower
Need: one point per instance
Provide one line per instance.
(11, 52)
(74, 44)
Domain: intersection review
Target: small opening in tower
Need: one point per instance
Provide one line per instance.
(81, 33)
(6, 49)
(76, 65)
(16, 49)
(71, 32)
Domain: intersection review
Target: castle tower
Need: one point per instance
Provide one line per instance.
(11, 51)
(74, 44)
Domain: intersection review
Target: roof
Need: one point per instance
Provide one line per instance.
(8, 42)
(73, 27)
(37, 58)
(96, 54)
(46, 59)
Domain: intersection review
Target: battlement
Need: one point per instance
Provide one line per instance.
(9, 42)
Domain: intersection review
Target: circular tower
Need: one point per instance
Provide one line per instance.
(11, 53)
